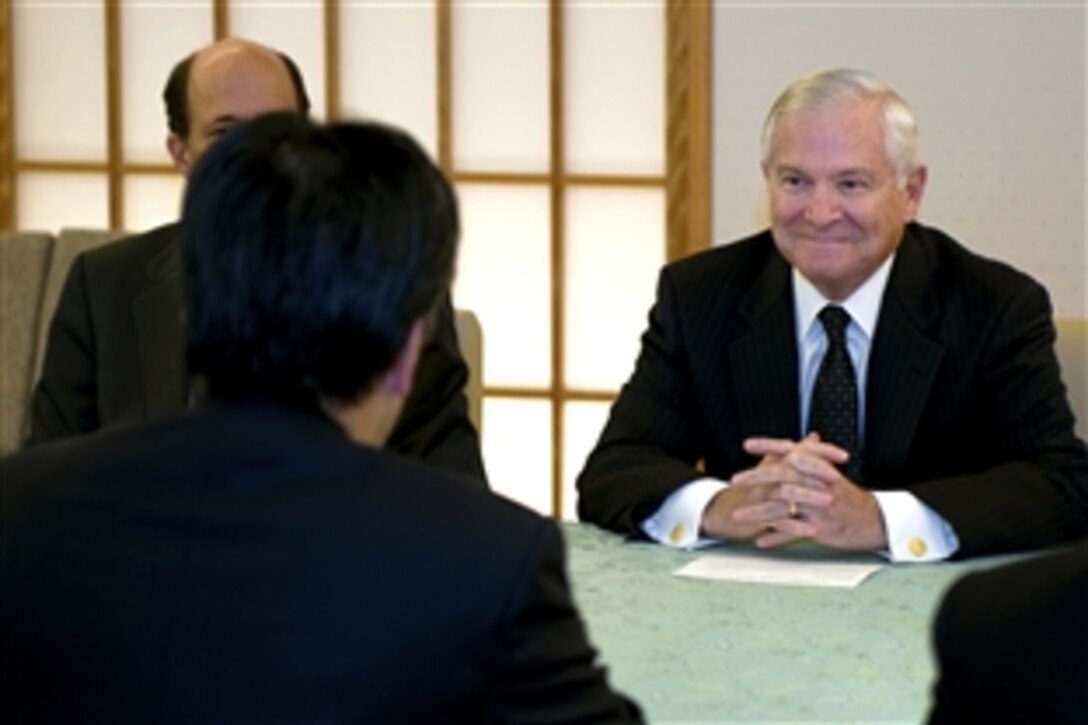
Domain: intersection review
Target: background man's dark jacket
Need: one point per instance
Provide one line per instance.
(116, 352)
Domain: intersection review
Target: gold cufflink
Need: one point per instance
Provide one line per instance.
(676, 535)
(917, 546)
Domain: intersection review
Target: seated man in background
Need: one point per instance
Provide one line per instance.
(116, 344)
(849, 376)
(259, 558)
(1011, 644)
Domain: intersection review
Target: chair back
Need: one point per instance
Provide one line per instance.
(470, 339)
(24, 267)
(1072, 351)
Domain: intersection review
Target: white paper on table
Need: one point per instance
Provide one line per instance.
(768, 568)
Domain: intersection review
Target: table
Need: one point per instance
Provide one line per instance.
(691, 650)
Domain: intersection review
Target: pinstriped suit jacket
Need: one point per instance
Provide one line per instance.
(965, 403)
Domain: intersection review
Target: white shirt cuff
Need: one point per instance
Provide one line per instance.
(916, 533)
(677, 522)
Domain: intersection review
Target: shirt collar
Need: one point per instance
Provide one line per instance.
(863, 305)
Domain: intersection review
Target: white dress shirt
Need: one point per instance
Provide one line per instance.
(916, 533)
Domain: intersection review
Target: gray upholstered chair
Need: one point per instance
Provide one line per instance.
(471, 340)
(1072, 349)
(24, 267)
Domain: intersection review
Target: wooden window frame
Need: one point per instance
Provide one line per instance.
(686, 182)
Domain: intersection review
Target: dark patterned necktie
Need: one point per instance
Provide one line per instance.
(833, 412)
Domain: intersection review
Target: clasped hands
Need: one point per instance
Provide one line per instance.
(796, 492)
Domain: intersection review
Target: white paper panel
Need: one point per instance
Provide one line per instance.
(615, 246)
(517, 444)
(615, 103)
(500, 86)
(295, 27)
(1002, 125)
(59, 70)
(147, 57)
(504, 275)
(48, 202)
(151, 201)
(582, 426)
(389, 66)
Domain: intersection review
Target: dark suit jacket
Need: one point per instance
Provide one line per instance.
(965, 406)
(116, 352)
(247, 563)
(1012, 645)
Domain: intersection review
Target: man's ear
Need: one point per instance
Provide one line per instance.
(398, 379)
(179, 152)
(915, 188)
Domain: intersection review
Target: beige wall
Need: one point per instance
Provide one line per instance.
(999, 93)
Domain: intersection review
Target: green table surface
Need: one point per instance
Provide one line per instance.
(702, 651)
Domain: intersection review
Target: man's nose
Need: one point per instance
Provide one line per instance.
(823, 206)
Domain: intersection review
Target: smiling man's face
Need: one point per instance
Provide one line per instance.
(837, 211)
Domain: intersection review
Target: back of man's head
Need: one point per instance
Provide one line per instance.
(311, 252)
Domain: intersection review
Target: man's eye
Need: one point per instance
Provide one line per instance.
(853, 185)
(791, 181)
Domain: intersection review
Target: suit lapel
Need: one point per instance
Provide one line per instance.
(763, 361)
(904, 358)
(159, 312)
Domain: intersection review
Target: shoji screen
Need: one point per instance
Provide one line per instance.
(576, 133)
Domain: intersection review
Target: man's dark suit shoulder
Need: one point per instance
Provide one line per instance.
(366, 559)
(1011, 643)
(958, 272)
(134, 253)
(91, 373)
(729, 268)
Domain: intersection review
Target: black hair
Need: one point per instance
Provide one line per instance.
(175, 94)
(311, 250)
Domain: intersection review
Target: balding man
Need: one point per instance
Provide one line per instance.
(116, 348)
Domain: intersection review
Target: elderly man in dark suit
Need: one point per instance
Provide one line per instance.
(848, 376)
(1011, 644)
(260, 558)
(116, 347)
